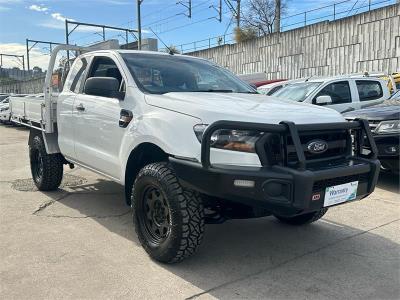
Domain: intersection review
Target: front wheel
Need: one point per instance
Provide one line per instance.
(47, 169)
(169, 220)
(303, 219)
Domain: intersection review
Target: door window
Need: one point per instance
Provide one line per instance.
(105, 67)
(338, 91)
(77, 83)
(369, 90)
(76, 75)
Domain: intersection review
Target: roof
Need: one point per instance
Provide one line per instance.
(338, 77)
(141, 51)
(122, 51)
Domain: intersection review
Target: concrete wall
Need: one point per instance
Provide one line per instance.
(31, 86)
(365, 42)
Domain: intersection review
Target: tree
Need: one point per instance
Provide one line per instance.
(245, 33)
(260, 14)
(172, 50)
(36, 69)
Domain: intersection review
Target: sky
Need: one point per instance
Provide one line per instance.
(45, 20)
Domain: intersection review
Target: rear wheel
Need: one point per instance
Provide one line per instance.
(46, 169)
(169, 220)
(303, 219)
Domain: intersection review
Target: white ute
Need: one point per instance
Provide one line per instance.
(193, 144)
(342, 93)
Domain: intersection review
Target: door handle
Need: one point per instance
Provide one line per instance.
(80, 107)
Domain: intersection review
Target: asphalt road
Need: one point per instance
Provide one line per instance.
(79, 242)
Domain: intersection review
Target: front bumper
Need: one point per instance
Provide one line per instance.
(4, 116)
(388, 145)
(280, 190)
(283, 189)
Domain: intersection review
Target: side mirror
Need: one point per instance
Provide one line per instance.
(323, 100)
(103, 86)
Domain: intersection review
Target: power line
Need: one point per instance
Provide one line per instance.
(158, 22)
(160, 10)
(186, 25)
(177, 14)
(14, 56)
(352, 7)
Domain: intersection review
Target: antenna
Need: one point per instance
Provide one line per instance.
(169, 49)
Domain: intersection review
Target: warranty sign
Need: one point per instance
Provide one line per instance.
(340, 193)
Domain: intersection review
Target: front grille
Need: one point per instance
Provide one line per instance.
(281, 149)
(322, 184)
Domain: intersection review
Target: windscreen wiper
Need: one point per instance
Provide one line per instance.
(249, 92)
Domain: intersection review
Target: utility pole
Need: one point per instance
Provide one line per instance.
(235, 11)
(19, 57)
(35, 42)
(277, 23)
(67, 39)
(139, 24)
(219, 10)
(68, 32)
(238, 13)
(27, 54)
(188, 5)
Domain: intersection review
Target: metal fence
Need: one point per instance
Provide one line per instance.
(332, 12)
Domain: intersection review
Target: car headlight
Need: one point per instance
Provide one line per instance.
(392, 126)
(234, 140)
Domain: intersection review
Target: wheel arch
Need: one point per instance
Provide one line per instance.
(50, 140)
(32, 133)
(143, 154)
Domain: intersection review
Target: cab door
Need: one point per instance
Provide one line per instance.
(370, 92)
(65, 108)
(98, 135)
(340, 93)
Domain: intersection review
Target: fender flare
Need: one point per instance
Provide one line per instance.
(50, 140)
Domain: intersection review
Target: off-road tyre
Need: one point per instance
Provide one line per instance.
(46, 169)
(303, 219)
(182, 218)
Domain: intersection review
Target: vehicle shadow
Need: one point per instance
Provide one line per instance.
(261, 258)
(389, 182)
(15, 126)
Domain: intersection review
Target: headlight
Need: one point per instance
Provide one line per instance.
(235, 140)
(392, 126)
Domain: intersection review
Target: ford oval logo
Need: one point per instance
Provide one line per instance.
(317, 146)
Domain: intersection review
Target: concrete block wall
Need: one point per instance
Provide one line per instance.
(30, 86)
(365, 42)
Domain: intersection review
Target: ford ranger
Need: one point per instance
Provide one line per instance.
(193, 144)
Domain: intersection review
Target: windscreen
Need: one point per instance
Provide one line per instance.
(160, 74)
(297, 91)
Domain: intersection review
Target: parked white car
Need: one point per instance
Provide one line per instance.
(340, 93)
(5, 113)
(6, 100)
(3, 96)
(271, 88)
(192, 144)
